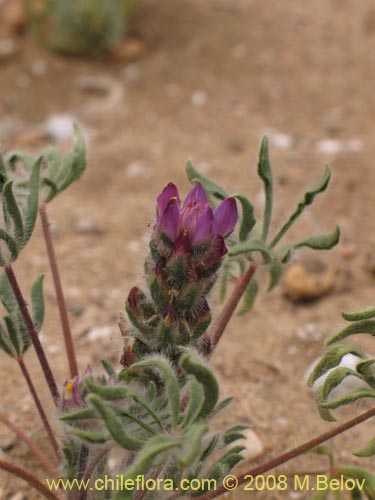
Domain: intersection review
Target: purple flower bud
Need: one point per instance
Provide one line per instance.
(196, 195)
(71, 390)
(168, 220)
(217, 251)
(169, 192)
(226, 217)
(204, 227)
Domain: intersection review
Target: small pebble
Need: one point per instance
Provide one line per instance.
(88, 226)
(39, 67)
(252, 442)
(137, 169)
(330, 146)
(59, 127)
(301, 284)
(100, 333)
(198, 99)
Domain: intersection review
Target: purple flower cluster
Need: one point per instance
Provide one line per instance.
(195, 223)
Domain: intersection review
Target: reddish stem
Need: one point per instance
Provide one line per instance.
(39, 407)
(231, 305)
(33, 333)
(29, 478)
(295, 452)
(31, 445)
(69, 345)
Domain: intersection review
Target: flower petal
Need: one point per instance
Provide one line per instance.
(169, 192)
(168, 220)
(196, 195)
(217, 251)
(204, 227)
(226, 217)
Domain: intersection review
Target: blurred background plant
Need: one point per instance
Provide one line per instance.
(79, 26)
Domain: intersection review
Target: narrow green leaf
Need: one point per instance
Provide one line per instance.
(14, 212)
(114, 393)
(115, 426)
(367, 369)
(31, 209)
(321, 242)
(350, 397)
(251, 246)
(367, 313)
(193, 445)
(37, 302)
(196, 400)
(265, 173)
(335, 377)
(170, 380)
(324, 413)
(12, 248)
(249, 296)
(94, 437)
(81, 414)
(74, 163)
(331, 359)
(6, 295)
(143, 463)
(308, 198)
(108, 367)
(326, 450)
(367, 451)
(14, 335)
(248, 220)
(363, 326)
(361, 474)
(209, 186)
(204, 377)
(5, 344)
(276, 270)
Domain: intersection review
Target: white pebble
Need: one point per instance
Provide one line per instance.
(137, 169)
(329, 146)
(99, 333)
(199, 98)
(60, 127)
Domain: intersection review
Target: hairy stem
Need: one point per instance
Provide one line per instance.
(91, 467)
(68, 339)
(43, 459)
(231, 305)
(39, 407)
(33, 334)
(295, 452)
(29, 478)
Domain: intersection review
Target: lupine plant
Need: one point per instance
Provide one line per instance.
(155, 407)
(79, 26)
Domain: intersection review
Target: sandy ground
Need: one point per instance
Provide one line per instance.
(212, 78)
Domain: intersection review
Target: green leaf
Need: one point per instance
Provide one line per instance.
(14, 212)
(364, 326)
(350, 397)
(363, 475)
(143, 463)
(81, 414)
(251, 246)
(171, 383)
(249, 296)
(209, 186)
(108, 367)
(4, 343)
(115, 393)
(193, 444)
(14, 335)
(31, 209)
(308, 198)
(115, 426)
(367, 313)
(367, 369)
(12, 248)
(204, 377)
(335, 377)
(196, 400)
(367, 451)
(321, 242)
(324, 413)
(248, 220)
(94, 437)
(74, 163)
(276, 270)
(326, 450)
(331, 359)
(37, 301)
(265, 173)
